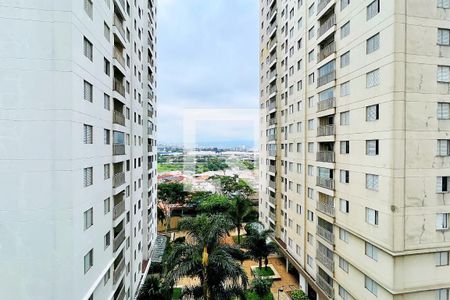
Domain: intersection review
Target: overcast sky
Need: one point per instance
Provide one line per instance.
(207, 58)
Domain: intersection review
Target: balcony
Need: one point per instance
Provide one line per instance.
(326, 130)
(272, 184)
(271, 30)
(272, 216)
(272, 14)
(118, 270)
(322, 80)
(271, 138)
(325, 156)
(118, 24)
(118, 240)
(272, 169)
(118, 210)
(325, 234)
(118, 118)
(325, 286)
(272, 152)
(326, 51)
(121, 294)
(272, 43)
(272, 105)
(272, 90)
(325, 182)
(321, 5)
(118, 87)
(272, 200)
(272, 76)
(325, 260)
(326, 104)
(117, 55)
(118, 179)
(122, 2)
(272, 59)
(325, 208)
(118, 149)
(325, 26)
(272, 122)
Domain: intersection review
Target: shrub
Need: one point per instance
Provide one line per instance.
(261, 286)
(298, 295)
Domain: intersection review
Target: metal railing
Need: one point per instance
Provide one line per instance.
(118, 87)
(325, 208)
(325, 234)
(272, 43)
(325, 156)
(118, 270)
(118, 179)
(272, 200)
(272, 184)
(324, 182)
(325, 130)
(271, 29)
(271, 138)
(118, 24)
(326, 51)
(118, 210)
(122, 2)
(119, 57)
(118, 149)
(321, 5)
(272, 152)
(272, 59)
(273, 89)
(272, 105)
(330, 22)
(322, 80)
(118, 240)
(118, 118)
(325, 260)
(272, 122)
(121, 294)
(326, 104)
(272, 169)
(272, 216)
(325, 286)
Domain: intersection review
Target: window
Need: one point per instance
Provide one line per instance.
(311, 33)
(311, 124)
(87, 134)
(106, 171)
(343, 293)
(106, 31)
(344, 206)
(373, 44)
(88, 91)
(310, 239)
(343, 235)
(106, 206)
(371, 251)
(372, 182)
(310, 216)
(107, 239)
(345, 118)
(373, 78)
(372, 147)
(88, 7)
(442, 221)
(311, 78)
(372, 113)
(310, 147)
(106, 278)
(371, 216)
(88, 218)
(345, 89)
(106, 102)
(310, 261)
(443, 4)
(345, 30)
(443, 148)
(344, 176)
(107, 136)
(344, 3)
(345, 59)
(107, 67)
(441, 259)
(88, 260)
(443, 74)
(442, 294)
(373, 9)
(87, 176)
(442, 184)
(343, 264)
(371, 285)
(345, 147)
(310, 173)
(311, 10)
(88, 49)
(311, 56)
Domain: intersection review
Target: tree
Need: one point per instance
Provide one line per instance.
(298, 295)
(206, 257)
(160, 214)
(240, 208)
(233, 186)
(172, 192)
(257, 245)
(261, 286)
(152, 289)
(214, 204)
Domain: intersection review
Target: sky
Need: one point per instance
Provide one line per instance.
(208, 59)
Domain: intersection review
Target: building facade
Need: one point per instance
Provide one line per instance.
(355, 144)
(78, 148)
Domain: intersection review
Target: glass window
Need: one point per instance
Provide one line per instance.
(371, 216)
(372, 147)
(443, 74)
(373, 9)
(345, 30)
(373, 78)
(373, 44)
(372, 182)
(88, 260)
(372, 112)
(88, 218)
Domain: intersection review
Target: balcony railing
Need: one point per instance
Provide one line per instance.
(272, 152)
(122, 2)
(321, 5)
(326, 104)
(272, 105)
(272, 169)
(118, 118)
(326, 51)
(325, 156)
(272, 43)
(272, 75)
(273, 89)
(118, 179)
(272, 59)
(118, 210)
(325, 286)
(118, 87)
(118, 270)
(322, 80)
(325, 234)
(121, 294)
(325, 260)
(271, 138)
(325, 130)
(330, 22)
(118, 24)
(272, 184)
(119, 57)
(324, 182)
(118, 240)
(118, 149)
(272, 200)
(325, 208)
(271, 122)
(271, 28)
(272, 216)
(272, 12)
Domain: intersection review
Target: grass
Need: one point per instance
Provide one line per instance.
(176, 293)
(251, 295)
(169, 167)
(263, 272)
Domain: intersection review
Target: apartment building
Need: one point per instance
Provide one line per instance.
(355, 146)
(77, 148)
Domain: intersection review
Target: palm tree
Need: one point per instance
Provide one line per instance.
(152, 289)
(160, 215)
(204, 256)
(257, 245)
(241, 207)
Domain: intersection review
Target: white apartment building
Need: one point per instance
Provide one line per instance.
(77, 148)
(355, 144)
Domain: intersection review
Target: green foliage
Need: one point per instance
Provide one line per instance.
(155, 268)
(198, 197)
(214, 203)
(261, 286)
(248, 164)
(298, 295)
(172, 192)
(160, 214)
(263, 272)
(153, 289)
(252, 216)
(239, 209)
(257, 245)
(251, 295)
(232, 186)
(169, 167)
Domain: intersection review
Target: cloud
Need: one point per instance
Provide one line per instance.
(207, 58)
